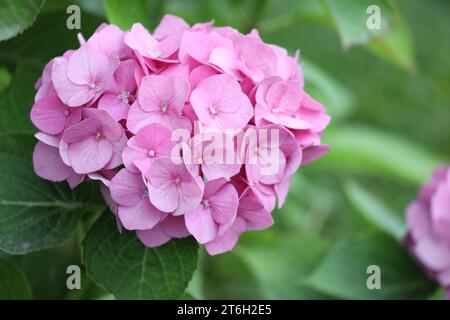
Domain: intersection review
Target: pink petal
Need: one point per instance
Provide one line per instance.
(127, 188)
(154, 237)
(139, 39)
(201, 224)
(228, 239)
(71, 94)
(48, 115)
(115, 107)
(141, 216)
(175, 227)
(48, 164)
(89, 155)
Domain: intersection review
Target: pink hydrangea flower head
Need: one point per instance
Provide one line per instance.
(189, 111)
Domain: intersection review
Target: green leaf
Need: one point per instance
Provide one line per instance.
(129, 270)
(396, 46)
(375, 211)
(343, 273)
(5, 78)
(350, 19)
(392, 41)
(13, 282)
(125, 13)
(17, 100)
(16, 16)
(34, 213)
(372, 151)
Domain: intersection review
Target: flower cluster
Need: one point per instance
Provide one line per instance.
(191, 130)
(428, 220)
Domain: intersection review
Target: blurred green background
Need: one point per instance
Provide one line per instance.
(388, 92)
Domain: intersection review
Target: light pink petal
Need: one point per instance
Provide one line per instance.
(175, 227)
(224, 202)
(130, 155)
(201, 224)
(251, 209)
(48, 139)
(124, 75)
(433, 254)
(70, 93)
(190, 193)
(139, 39)
(115, 107)
(89, 155)
(285, 97)
(141, 216)
(154, 92)
(282, 190)
(318, 121)
(440, 210)
(199, 73)
(85, 129)
(165, 200)
(110, 129)
(313, 153)
(48, 115)
(199, 45)
(118, 147)
(154, 237)
(75, 179)
(228, 239)
(48, 164)
(127, 188)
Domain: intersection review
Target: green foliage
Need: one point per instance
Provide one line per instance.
(125, 13)
(373, 151)
(34, 214)
(375, 210)
(129, 270)
(13, 282)
(16, 16)
(343, 273)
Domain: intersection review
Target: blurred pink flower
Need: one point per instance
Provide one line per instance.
(428, 220)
